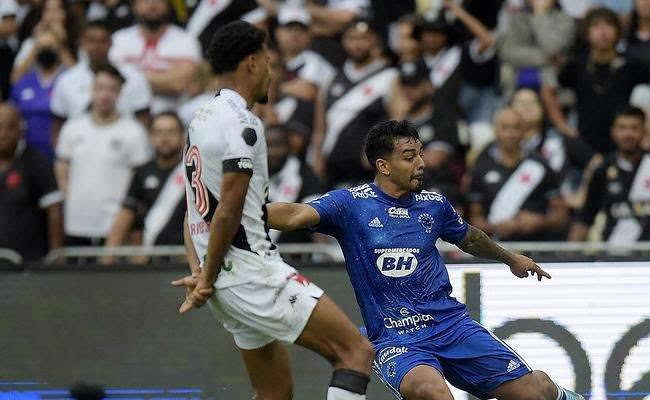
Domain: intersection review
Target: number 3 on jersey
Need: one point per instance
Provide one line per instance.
(193, 172)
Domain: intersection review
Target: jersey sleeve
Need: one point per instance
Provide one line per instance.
(65, 143)
(453, 228)
(58, 101)
(134, 197)
(140, 149)
(331, 209)
(241, 143)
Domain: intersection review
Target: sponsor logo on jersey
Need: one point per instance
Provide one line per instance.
(396, 264)
(408, 323)
(398, 212)
(375, 223)
(428, 196)
(426, 220)
(388, 353)
(362, 192)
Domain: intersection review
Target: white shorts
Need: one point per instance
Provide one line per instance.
(258, 313)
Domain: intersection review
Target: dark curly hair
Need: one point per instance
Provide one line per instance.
(232, 43)
(382, 138)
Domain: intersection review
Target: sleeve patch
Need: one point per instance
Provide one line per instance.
(238, 165)
(249, 135)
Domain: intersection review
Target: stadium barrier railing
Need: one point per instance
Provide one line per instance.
(330, 253)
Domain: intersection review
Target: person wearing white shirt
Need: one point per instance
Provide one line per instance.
(96, 154)
(72, 91)
(166, 54)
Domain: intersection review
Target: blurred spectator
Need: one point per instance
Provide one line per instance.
(305, 73)
(619, 187)
(537, 40)
(72, 91)
(356, 101)
(8, 43)
(329, 18)
(402, 42)
(479, 94)
(290, 180)
(514, 196)
(96, 153)
(204, 17)
(602, 80)
(115, 14)
(638, 37)
(167, 55)
(567, 156)
(31, 221)
(33, 91)
(412, 99)
(156, 195)
(201, 90)
(54, 37)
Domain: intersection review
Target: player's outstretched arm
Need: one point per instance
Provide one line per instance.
(291, 216)
(478, 244)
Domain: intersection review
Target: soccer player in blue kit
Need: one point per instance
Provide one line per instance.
(388, 230)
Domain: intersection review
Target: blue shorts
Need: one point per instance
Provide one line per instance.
(467, 355)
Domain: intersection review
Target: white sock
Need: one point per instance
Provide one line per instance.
(334, 393)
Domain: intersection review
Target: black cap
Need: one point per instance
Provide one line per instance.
(413, 73)
(425, 24)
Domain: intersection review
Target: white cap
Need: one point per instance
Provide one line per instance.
(289, 14)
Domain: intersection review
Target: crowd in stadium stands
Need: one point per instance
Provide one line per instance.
(533, 113)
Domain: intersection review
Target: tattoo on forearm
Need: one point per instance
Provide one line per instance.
(478, 244)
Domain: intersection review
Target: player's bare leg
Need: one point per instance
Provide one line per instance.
(424, 383)
(533, 386)
(269, 371)
(331, 334)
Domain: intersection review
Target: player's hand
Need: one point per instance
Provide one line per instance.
(522, 266)
(197, 291)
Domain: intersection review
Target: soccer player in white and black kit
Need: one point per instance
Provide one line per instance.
(236, 268)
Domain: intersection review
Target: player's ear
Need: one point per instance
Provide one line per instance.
(382, 166)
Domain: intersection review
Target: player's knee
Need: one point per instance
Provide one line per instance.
(361, 355)
(430, 391)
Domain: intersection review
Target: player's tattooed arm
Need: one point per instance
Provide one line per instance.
(479, 244)
(291, 216)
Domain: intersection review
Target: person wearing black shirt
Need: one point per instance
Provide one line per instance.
(290, 179)
(620, 186)
(31, 220)
(602, 79)
(155, 199)
(514, 196)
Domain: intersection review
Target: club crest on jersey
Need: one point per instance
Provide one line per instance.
(398, 212)
(426, 220)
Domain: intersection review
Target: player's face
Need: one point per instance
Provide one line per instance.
(262, 73)
(507, 129)
(433, 41)
(628, 132)
(106, 90)
(10, 131)
(96, 42)
(166, 136)
(151, 12)
(406, 165)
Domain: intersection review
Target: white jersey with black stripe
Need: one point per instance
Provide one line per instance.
(225, 136)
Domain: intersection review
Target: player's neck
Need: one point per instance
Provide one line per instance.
(237, 85)
(104, 118)
(603, 56)
(166, 163)
(510, 158)
(390, 188)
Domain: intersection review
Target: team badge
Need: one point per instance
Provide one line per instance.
(426, 221)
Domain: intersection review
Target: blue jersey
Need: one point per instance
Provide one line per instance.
(399, 278)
